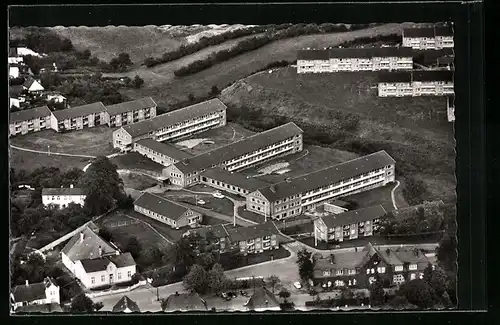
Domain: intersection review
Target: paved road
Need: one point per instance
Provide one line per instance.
(50, 153)
(392, 195)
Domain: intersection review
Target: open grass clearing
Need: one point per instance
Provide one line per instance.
(164, 229)
(133, 160)
(252, 216)
(137, 181)
(380, 195)
(229, 261)
(29, 161)
(90, 142)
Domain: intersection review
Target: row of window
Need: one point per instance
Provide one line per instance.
(263, 152)
(193, 120)
(222, 184)
(187, 130)
(103, 277)
(64, 198)
(159, 216)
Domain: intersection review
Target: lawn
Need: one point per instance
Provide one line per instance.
(164, 229)
(95, 141)
(299, 229)
(231, 260)
(137, 181)
(133, 160)
(31, 160)
(224, 206)
(252, 216)
(123, 228)
(211, 221)
(380, 195)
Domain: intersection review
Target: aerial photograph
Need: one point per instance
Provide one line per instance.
(232, 168)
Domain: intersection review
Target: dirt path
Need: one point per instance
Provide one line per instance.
(392, 195)
(51, 153)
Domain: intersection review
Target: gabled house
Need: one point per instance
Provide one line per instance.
(131, 112)
(62, 197)
(126, 305)
(14, 70)
(79, 117)
(262, 300)
(255, 239)
(29, 120)
(41, 293)
(16, 96)
(45, 308)
(33, 86)
(219, 233)
(169, 212)
(162, 153)
(184, 302)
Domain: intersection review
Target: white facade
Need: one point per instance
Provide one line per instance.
(354, 64)
(51, 296)
(35, 87)
(13, 72)
(415, 88)
(428, 43)
(15, 102)
(15, 59)
(110, 276)
(22, 51)
(63, 200)
(450, 105)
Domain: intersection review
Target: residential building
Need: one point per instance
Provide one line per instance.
(232, 182)
(23, 51)
(184, 302)
(354, 59)
(255, 239)
(219, 233)
(450, 108)
(173, 125)
(56, 98)
(45, 308)
(306, 192)
(29, 120)
(79, 117)
(336, 206)
(162, 153)
(262, 300)
(431, 58)
(348, 225)
(428, 38)
(63, 196)
(16, 96)
(14, 56)
(13, 71)
(258, 148)
(126, 305)
(130, 112)
(41, 293)
(33, 86)
(359, 269)
(166, 211)
(416, 83)
(94, 261)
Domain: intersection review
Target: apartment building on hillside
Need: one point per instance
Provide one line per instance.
(354, 59)
(29, 120)
(162, 153)
(291, 197)
(173, 125)
(279, 141)
(79, 117)
(131, 112)
(416, 83)
(428, 38)
(232, 182)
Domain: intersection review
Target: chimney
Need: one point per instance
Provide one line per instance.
(272, 188)
(27, 283)
(81, 237)
(100, 251)
(71, 186)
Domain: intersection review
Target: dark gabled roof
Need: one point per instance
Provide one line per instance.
(327, 176)
(174, 117)
(63, 191)
(28, 82)
(45, 308)
(239, 148)
(432, 75)
(29, 114)
(78, 111)
(76, 249)
(314, 54)
(419, 32)
(100, 264)
(125, 304)
(130, 106)
(184, 301)
(261, 299)
(164, 148)
(411, 256)
(160, 205)
(354, 216)
(398, 76)
(219, 231)
(443, 31)
(346, 260)
(233, 178)
(31, 292)
(252, 232)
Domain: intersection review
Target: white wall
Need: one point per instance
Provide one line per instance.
(63, 199)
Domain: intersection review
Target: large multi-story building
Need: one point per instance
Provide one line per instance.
(62, 197)
(291, 197)
(29, 120)
(279, 141)
(79, 117)
(159, 152)
(354, 59)
(428, 38)
(173, 125)
(348, 225)
(416, 83)
(232, 182)
(166, 211)
(131, 112)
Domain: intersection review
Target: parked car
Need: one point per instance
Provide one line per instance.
(225, 296)
(201, 202)
(297, 285)
(243, 293)
(218, 195)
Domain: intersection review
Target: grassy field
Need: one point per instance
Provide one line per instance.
(123, 228)
(170, 233)
(412, 130)
(29, 161)
(138, 181)
(134, 160)
(90, 142)
(380, 195)
(252, 216)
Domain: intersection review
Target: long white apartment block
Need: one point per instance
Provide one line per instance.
(416, 83)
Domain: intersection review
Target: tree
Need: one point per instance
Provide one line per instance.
(102, 185)
(284, 294)
(215, 90)
(191, 97)
(133, 247)
(138, 82)
(273, 280)
(196, 279)
(83, 304)
(120, 63)
(306, 264)
(150, 256)
(105, 234)
(446, 253)
(377, 294)
(216, 278)
(419, 293)
(436, 278)
(66, 45)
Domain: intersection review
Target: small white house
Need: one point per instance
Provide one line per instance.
(13, 71)
(14, 102)
(33, 86)
(62, 197)
(56, 98)
(45, 292)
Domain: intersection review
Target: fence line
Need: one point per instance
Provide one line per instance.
(112, 292)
